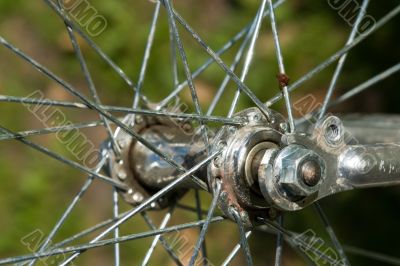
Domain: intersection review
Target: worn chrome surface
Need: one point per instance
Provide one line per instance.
(237, 167)
(365, 128)
(145, 172)
(293, 163)
(362, 166)
(281, 176)
(262, 167)
(119, 168)
(151, 170)
(348, 166)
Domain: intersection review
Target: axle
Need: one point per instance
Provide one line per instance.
(261, 167)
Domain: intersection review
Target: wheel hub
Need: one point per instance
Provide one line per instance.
(237, 166)
(258, 171)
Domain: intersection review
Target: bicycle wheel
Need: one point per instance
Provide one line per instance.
(187, 153)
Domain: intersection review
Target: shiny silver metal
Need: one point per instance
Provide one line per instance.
(292, 164)
(145, 172)
(363, 166)
(364, 128)
(119, 168)
(344, 166)
(237, 167)
(311, 173)
(261, 168)
(266, 164)
(151, 170)
(280, 177)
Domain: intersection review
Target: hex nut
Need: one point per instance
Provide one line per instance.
(301, 171)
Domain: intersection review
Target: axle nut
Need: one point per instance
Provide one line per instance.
(300, 170)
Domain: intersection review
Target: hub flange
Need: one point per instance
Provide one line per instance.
(237, 166)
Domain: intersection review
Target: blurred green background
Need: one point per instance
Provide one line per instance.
(35, 190)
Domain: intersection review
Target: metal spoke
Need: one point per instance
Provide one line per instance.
(200, 217)
(251, 33)
(195, 74)
(50, 130)
(186, 68)
(372, 255)
(233, 66)
(70, 207)
(331, 233)
(249, 55)
(356, 90)
(236, 60)
(89, 80)
(296, 241)
(90, 104)
(283, 79)
(296, 244)
(242, 235)
(292, 241)
(174, 62)
(174, 66)
(48, 102)
(342, 60)
(160, 238)
(148, 201)
(44, 102)
(204, 228)
(219, 61)
(372, 81)
(146, 57)
(96, 48)
(279, 244)
(234, 252)
(394, 12)
(221, 51)
(102, 243)
(65, 160)
(88, 231)
(116, 230)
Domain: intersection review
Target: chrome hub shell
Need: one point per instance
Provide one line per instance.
(237, 166)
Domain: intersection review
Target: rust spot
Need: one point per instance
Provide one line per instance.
(283, 80)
